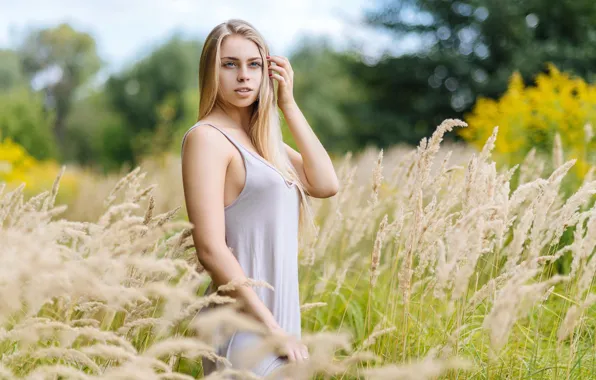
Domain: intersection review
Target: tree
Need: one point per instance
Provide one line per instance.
(329, 96)
(151, 93)
(11, 74)
(470, 48)
(24, 120)
(22, 115)
(59, 60)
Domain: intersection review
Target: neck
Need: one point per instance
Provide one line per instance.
(237, 116)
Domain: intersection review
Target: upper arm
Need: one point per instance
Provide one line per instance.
(204, 164)
(296, 160)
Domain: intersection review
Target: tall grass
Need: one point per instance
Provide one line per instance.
(420, 268)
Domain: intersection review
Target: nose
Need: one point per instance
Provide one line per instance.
(242, 73)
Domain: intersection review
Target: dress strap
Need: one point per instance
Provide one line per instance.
(246, 154)
(236, 144)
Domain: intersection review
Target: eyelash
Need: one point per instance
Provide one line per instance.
(226, 64)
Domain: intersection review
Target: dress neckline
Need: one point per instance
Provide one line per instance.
(255, 155)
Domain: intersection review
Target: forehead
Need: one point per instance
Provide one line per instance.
(238, 46)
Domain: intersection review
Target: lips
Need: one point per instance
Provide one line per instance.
(244, 93)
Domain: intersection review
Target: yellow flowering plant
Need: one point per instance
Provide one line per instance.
(15, 162)
(17, 166)
(531, 117)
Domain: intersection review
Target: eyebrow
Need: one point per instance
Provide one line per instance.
(236, 59)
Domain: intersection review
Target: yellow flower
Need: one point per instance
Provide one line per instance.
(531, 117)
(17, 166)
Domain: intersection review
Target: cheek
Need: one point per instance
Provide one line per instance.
(226, 80)
(258, 76)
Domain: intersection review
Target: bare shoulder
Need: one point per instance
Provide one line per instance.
(205, 158)
(204, 140)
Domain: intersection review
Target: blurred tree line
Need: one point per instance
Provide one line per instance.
(469, 48)
(51, 105)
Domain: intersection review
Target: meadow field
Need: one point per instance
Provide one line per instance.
(430, 263)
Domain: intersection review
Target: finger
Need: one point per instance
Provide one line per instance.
(279, 69)
(281, 61)
(305, 353)
(288, 66)
(279, 78)
(291, 355)
(284, 59)
(298, 354)
(278, 60)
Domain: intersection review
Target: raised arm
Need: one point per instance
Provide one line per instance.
(205, 158)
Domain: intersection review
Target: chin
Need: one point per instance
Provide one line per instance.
(243, 102)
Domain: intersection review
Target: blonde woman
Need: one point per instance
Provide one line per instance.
(246, 190)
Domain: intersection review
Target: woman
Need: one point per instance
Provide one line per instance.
(245, 189)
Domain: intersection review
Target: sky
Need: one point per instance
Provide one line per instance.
(125, 30)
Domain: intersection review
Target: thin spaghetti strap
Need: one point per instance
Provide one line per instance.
(246, 154)
(184, 137)
(237, 145)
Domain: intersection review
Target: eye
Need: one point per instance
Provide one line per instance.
(226, 64)
(257, 63)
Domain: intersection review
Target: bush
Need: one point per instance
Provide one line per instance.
(531, 117)
(17, 166)
(23, 119)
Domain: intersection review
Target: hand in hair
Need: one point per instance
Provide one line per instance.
(285, 78)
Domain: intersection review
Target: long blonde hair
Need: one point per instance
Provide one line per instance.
(265, 126)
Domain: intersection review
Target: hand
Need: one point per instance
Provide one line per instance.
(285, 79)
(292, 348)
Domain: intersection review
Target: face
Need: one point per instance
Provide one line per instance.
(240, 66)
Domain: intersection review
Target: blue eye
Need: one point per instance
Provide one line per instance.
(233, 63)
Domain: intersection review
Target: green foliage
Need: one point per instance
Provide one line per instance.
(463, 51)
(96, 134)
(328, 95)
(116, 146)
(70, 53)
(23, 119)
(179, 127)
(468, 49)
(11, 74)
(151, 93)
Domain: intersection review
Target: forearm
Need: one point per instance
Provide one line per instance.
(223, 267)
(317, 164)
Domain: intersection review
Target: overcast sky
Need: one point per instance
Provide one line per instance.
(126, 29)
